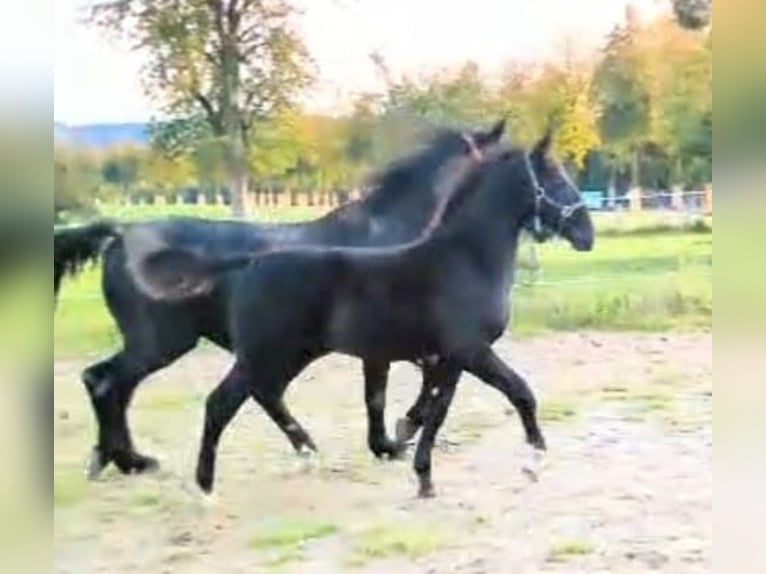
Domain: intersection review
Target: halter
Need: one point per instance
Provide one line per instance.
(564, 211)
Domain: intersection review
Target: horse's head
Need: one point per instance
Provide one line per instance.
(557, 206)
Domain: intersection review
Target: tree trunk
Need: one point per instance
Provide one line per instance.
(611, 192)
(238, 180)
(635, 167)
(232, 123)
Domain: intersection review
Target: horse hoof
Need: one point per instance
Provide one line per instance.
(145, 464)
(534, 463)
(306, 452)
(97, 462)
(405, 430)
(209, 499)
(398, 452)
(308, 459)
(425, 492)
(389, 450)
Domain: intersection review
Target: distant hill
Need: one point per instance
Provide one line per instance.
(102, 135)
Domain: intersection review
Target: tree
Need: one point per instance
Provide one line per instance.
(165, 174)
(360, 132)
(683, 96)
(624, 96)
(517, 100)
(208, 157)
(562, 96)
(75, 179)
(121, 168)
(275, 146)
(235, 62)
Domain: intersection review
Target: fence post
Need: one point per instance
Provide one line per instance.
(634, 197)
(677, 197)
(709, 199)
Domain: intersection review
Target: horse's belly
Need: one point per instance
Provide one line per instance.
(393, 334)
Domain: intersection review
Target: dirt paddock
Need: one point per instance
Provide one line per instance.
(627, 487)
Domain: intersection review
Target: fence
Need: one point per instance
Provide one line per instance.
(635, 200)
(695, 201)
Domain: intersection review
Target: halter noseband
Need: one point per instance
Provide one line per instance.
(564, 211)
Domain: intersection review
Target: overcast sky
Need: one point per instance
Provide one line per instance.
(99, 82)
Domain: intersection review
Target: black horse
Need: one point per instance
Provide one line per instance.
(157, 333)
(444, 296)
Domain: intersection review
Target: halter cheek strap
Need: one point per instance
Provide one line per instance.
(537, 222)
(564, 211)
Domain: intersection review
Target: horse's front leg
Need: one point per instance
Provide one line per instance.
(490, 368)
(375, 383)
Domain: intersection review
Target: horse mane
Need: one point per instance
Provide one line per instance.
(398, 177)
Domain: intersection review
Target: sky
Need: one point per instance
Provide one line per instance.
(97, 81)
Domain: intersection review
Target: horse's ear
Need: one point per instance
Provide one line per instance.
(543, 147)
(493, 135)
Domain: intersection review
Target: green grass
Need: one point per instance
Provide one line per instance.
(558, 410)
(291, 533)
(649, 282)
(69, 486)
(409, 541)
(283, 541)
(636, 282)
(654, 401)
(564, 551)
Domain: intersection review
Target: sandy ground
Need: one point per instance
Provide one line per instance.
(627, 486)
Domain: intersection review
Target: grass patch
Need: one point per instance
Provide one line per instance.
(291, 534)
(557, 410)
(145, 500)
(69, 487)
(284, 555)
(170, 401)
(407, 541)
(569, 549)
(654, 401)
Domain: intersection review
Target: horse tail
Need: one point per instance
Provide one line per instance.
(167, 272)
(73, 248)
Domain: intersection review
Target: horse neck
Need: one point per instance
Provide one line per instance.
(488, 228)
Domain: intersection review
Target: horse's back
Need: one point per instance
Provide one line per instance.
(283, 295)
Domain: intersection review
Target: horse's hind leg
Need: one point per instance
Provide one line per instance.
(221, 406)
(279, 413)
(445, 379)
(268, 392)
(408, 426)
(111, 384)
(375, 383)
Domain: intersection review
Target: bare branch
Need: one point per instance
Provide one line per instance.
(216, 6)
(213, 116)
(233, 16)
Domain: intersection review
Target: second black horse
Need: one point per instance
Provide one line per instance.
(157, 333)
